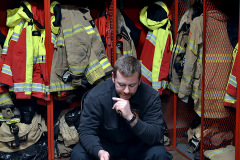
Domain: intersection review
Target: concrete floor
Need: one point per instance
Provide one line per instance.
(177, 155)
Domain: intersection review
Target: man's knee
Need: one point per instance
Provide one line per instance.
(158, 153)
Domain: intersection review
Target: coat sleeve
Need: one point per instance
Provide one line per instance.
(90, 122)
(149, 127)
(192, 57)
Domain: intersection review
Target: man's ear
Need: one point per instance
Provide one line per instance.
(113, 79)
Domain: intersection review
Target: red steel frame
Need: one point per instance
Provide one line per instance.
(49, 63)
(237, 143)
(175, 96)
(203, 77)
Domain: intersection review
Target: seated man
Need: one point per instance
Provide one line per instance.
(122, 118)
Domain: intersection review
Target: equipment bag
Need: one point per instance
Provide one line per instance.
(18, 136)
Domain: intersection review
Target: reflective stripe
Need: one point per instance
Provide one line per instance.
(53, 39)
(158, 3)
(5, 97)
(173, 87)
(6, 69)
(38, 87)
(192, 46)
(77, 69)
(105, 63)
(178, 49)
(4, 50)
(213, 95)
(128, 53)
(99, 37)
(89, 30)
(220, 151)
(196, 93)
(187, 79)
(233, 80)
(60, 42)
(159, 85)
(200, 58)
(152, 38)
(92, 65)
(60, 86)
(146, 73)
(39, 59)
(230, 99)
(70, 32)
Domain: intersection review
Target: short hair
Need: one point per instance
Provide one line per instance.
(127, 66)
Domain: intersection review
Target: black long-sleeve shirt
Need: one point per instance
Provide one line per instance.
(99, 120)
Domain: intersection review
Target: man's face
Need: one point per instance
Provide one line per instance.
(126, 87)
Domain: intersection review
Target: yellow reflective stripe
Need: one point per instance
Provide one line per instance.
(7, 41)
(76, 29)
(196, 93)
(89, 30)
(162, 36)
(220, 151)
(178, 49)
(60, 86)
(29, 57)
(60, 41)
(128, 53)
(77, 69)
(94, 71)
(5, 97)
(233, 80)
(192, 46)
(187, 79)
(146, 73)
(6, 69)
(105, 63)
(235, 51)
(99, 37)
(229, 98)
(174, 88)
(160, 84)
(152, 38)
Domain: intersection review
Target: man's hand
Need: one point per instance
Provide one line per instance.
(103, 155)
(122, 107)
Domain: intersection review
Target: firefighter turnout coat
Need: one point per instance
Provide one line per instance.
(156, 53)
